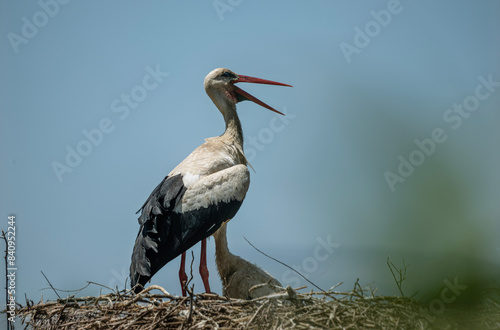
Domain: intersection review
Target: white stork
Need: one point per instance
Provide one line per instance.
(204, 190)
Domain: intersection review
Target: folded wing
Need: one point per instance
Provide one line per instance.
(174, 218)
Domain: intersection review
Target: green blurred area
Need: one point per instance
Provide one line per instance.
(443, 220)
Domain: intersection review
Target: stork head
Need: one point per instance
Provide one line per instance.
(219, 85)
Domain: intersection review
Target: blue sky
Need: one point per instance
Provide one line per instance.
(320, 198)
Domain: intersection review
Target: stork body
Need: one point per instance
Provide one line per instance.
(188, 206)
(197, 196)
(240, 278)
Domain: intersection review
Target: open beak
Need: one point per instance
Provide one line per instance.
(241, 95)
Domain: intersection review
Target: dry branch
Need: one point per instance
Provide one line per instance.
(290, 309)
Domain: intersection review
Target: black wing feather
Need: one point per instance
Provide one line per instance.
(165, 234)
(155, 213)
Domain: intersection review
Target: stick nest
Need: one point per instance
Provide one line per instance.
(155, 308)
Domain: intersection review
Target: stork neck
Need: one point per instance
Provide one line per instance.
(226, 103)
(221, 248)
(233, 131)
(222, 254)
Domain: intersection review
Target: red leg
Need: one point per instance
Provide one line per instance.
(203, 265)
(182, 274)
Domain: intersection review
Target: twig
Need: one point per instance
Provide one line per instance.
(191, 298)
(104, 286)
(401, 272)
(155, 287)
(335, 286)
(58, 296)
(190, 272)
(75, 291)
(268, 284)
(278, 261)
(255, 314)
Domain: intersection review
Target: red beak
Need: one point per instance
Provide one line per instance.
(242, 95)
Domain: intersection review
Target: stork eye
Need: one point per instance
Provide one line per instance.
(228, 75)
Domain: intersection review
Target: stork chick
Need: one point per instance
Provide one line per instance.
(240, 278)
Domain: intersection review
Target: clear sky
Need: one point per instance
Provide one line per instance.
(389, 147)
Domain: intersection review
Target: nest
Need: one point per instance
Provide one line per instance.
(155, 308)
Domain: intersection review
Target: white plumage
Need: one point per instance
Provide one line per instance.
(223, 186)
(198, 195)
